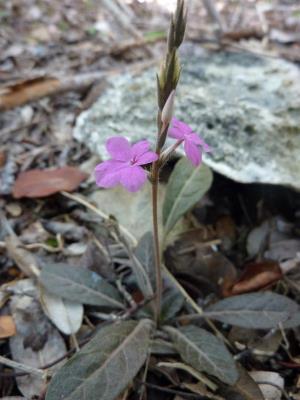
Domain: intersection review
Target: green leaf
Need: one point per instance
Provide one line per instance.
(204, 352)
(293, 321)
(104, 367)
(263, 310)
(144, 252)
(162, 347)
(142, 278)
(79, 285)
(67, 316)
(172, 302)
(186, 187)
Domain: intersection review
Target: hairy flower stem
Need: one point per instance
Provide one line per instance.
(167, 80)
(158, 277)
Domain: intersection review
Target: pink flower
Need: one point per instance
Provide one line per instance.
(125, 166)
(193, 143)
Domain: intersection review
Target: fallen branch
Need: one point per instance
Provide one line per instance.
(37, 87)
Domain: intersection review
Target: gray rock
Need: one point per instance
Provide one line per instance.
(246, 107)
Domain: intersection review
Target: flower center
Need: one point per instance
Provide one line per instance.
(133, 160)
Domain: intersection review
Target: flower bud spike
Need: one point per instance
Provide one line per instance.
(180, 23)
(168, 110)
(171, 36)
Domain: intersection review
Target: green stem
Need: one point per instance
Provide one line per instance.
(158, 278)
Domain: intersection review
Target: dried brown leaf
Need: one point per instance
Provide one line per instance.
(22, 92)
(43, 183)
(7, 326)
(257, 276)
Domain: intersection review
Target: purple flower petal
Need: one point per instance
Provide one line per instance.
(179, 129)
(139, 148)
(133, 178)
(119, 148)
(176, 133)
(108, 172)
(196, 139)
(192, 152)
(147, 158)
(108, 165)
(109, 179)
(182, 126)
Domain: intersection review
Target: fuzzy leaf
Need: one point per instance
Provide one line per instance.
(263, 310)
(104, 367)
(162, 347)
(66, 315)
(185, 188)
(144, 252)
(79, 285)
(204, 352)
(172, 302)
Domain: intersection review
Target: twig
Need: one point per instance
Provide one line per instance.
(81, 200)
(214, 14)
(124, 20)
(195, 306)
(101, 247)
(127, 296)
(38, 87)
(157, 255)
(123, 315)
(50, 249)
(145, 375)
(25, 368)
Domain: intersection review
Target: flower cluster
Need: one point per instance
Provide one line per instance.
(125, 165)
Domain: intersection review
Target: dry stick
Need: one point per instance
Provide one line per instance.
(90, 206)
(22, 367)
(214, 14)
(158, 278)
(223, 42)
(147, 363)
(124, 20)
(121, 17)
(42, 86)
(195, 306)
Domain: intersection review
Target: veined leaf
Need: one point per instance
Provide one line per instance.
(186, 186)
(263, 310)
(172, 302)
(204, 352)
(162, 347)
(103, 368)
(142, 277)
(66, 315)
(144, 252)
(79, 285)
